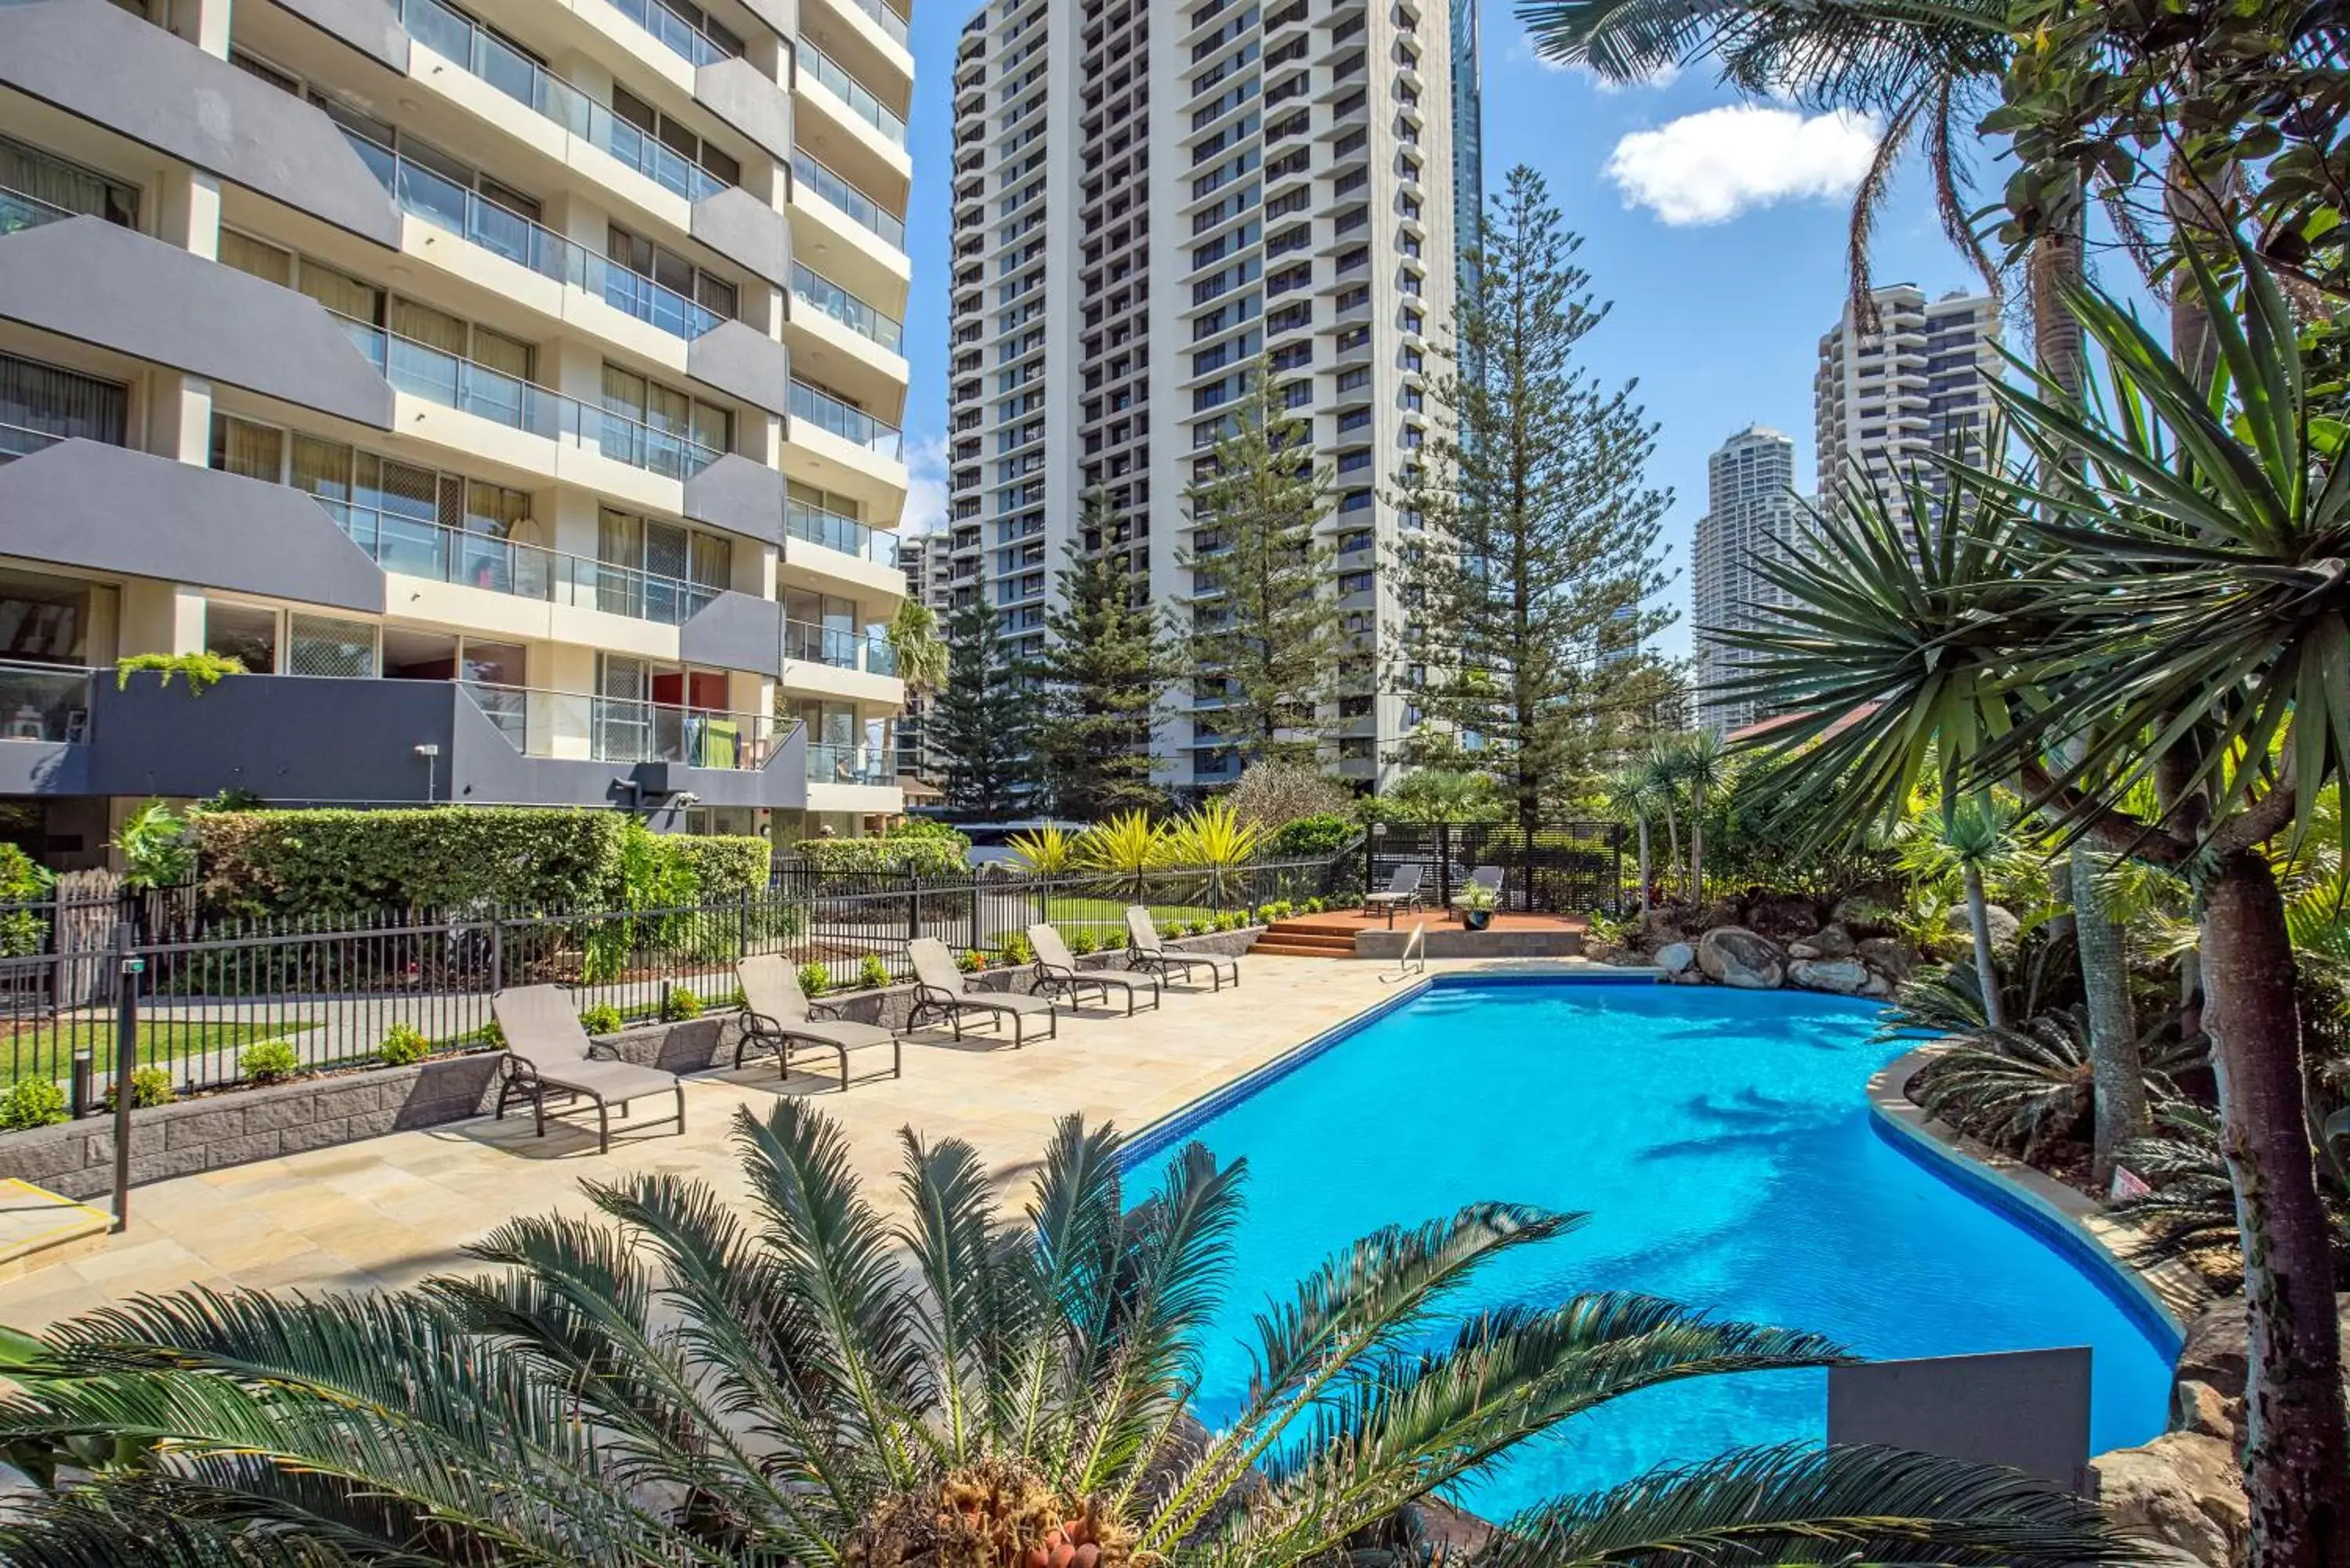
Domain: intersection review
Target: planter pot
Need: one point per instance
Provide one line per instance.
(1476, 920)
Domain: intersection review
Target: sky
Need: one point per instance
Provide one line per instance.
(1716, 227)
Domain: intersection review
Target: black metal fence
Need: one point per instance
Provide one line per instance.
(1565, 868)
(222, 1001)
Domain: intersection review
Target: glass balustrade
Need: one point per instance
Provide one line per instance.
(861, 207)
(43, 702)
(835, 531)
(851, 762)
(855, 426)
(891, 23)
(820, 293)
(22, 441)
(852, 92)
(542, 724)
(838, 647)
(680, 36)
(20, 211)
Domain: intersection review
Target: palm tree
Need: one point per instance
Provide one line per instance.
(1971, 839)
(1661, 770)
(1699, 762)
(1996, 635)
(808, 1383)
(922, 653)
(1629, 798)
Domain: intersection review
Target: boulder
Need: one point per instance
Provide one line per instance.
(1782, 917)
(1833, 941)
(2218, 1351)
(1839, 976)
(1878, 988)
(2183, 1490)
(2005, 928)
(1803, 951)
(1733, 955)
(1658, 928)
(1675, 957)
(1894, 959)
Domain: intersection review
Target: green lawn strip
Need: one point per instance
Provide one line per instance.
(48, 1051)
(1083, 911)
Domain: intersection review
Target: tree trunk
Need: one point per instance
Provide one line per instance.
(1697, 843)
(2115, 1068)
(1986, 966)
(2296, 1452)
(1673, 843)
(1643, 821)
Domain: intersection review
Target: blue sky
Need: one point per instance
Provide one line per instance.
(1717, 232)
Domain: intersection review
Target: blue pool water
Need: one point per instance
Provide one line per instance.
(1721, 1142)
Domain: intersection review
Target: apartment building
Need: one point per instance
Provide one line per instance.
(1919, 383)
(929, 567)
(1751, 514)
(512, 389)
(1148, 195)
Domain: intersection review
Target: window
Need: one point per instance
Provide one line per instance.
(28, 171)
(663, 411)
(243, 632)
(672, 271)
(324, 645)
(253, 451)
(679, 140)
(40, 404)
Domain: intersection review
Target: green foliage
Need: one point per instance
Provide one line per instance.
(1271, 794)
(1303, 838)
(269, 1062)
(1126, 853)
(682, 1003)
(202, 672)
(1045, 851)
(970, 960)
(1016, 949)
(23, 880)
(1277, 909)
(158, 849)
(1107, 667)
(980, 722)
(815, 979)
(925, 852)
(922, 653)
(872, 973)
(602, 1019)
(33, 1102)
(403, 1045)
(151, 1087)
(1212, 844)
(1082, 941)
(1430, 795)
(724, 865)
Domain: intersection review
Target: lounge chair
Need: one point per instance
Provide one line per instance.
(940, 993)
(1486, 876)
(1402, 891)
(778, 1016)
(1057, 974)
(1149, 954)
(548, 1053)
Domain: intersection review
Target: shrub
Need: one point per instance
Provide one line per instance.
(930, 851)
(1082, 941)
(268, 1061)
(32, 1103)
(153, 1086)
(970, 962)
(403, 1045)
(334, 862)
(1045, 852)
(1324, 833)
(157, 850)
(724, 865)
(873, 973)
(1313, 906)
(682, 1003)
(815, 979)
(23, 880)
(202, 672)
(602, 1019)
(1016, 949)
(1271, 793)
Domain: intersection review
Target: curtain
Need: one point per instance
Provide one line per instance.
(713, 561)
(713, 427)
(40, 397)
(35, 174)
(343, 295)
(624, 394)
(496, 510)
(322, 467)
(508, 356)
(433, 328)
(256, 452)
(248, 254)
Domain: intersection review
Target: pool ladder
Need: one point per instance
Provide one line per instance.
(1414, 959)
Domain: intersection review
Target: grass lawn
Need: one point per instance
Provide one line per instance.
(1083, 911)
(48, 1050)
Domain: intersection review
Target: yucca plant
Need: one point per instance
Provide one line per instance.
(1212, 845)
(805, 1383)
(1124, 853)
(1042, 852)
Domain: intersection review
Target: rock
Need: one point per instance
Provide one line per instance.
(1833, 941)
(1865, 916)
(2217, 1352)
(1878, 988)
(1658, 928)
(2200, 1407)
(1839, 976)
(1803, 951)
(1675, 957)
(1782, 917)
(1894, 959)
(2005, 928)
(1733, 955)
(2183, 1490)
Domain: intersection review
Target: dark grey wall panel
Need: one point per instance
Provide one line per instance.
(745, 230)
(44, 767)
(370, 26)
(735, 631)
(744, 363)
(89, 280)
(739, 495)
(92, 59)
(745, 98)
(84, 503)
(2026, 1409)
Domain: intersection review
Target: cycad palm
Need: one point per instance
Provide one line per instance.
(1630, 798)
(808, 1383)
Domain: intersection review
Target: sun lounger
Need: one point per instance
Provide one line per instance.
(548, 1053)
(1402, 891)
(1150, 955)
(940, 993)
(1057, 974)
(777, 1016)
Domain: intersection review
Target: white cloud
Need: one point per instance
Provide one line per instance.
(1708, 168)
(926, 485)
(1663, 76)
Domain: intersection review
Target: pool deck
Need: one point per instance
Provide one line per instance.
(391, 1210)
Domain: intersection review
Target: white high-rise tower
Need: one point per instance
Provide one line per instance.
(1918, 384)
(1751, 512)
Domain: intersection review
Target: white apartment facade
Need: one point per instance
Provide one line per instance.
(1918, 384)
(1149, 194)
(512, 389)
(1752, 513)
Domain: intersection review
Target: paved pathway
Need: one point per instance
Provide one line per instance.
(393, 1208)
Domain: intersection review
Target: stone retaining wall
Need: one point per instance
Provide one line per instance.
(77, 1158)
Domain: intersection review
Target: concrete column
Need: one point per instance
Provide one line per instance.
(180, 416)
(162, 617)
(203, 23)
(189, 213)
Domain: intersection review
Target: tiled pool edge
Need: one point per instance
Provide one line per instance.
(2164, 1297)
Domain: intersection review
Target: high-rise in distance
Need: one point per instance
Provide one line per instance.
(512, 389)
(1150, 195)
(1918, 383)
(1751, 514)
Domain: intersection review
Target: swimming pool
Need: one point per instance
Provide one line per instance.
(1721, 1143)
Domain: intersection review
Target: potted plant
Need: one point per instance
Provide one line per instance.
(1476, 901)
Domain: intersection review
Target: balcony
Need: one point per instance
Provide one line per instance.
(852, 763)
(861, 208)
(855, 426)
(679, 36)
(858, 97)
(826, 297)
(817, 527)
(837, 647)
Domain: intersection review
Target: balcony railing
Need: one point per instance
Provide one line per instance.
(23, 441)
(399, 542)
(445, 204)
(862, 208)
(44, 702)
(680, 36)
(852, 92)
(827, 297)
(484, 55)
(855, 426)
(541, 723)
(841, 648)
(851, 762)
(443, 377)
(835, 531)
(891, 23)
(18, 211)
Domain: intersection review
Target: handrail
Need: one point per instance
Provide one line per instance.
(862, 209)
(891, 23)
(1416, 943)
(24, 440)
(20, 211)
(854, 425)
(835, 531)
(681, 36)
(829, 298)
(859, 97)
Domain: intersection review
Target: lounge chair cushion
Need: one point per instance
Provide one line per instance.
(849, 1036)
(608, 1081)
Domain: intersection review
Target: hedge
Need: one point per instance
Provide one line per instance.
(1324, 834)
(930, 852)
(336, 862)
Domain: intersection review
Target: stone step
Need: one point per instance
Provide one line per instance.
(1276, 949)
(38, 1228)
